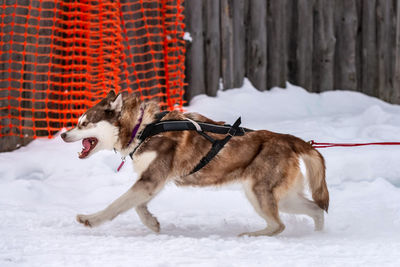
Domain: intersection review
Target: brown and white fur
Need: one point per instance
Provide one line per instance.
(266, 163)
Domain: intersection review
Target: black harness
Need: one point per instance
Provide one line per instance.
(186, 125)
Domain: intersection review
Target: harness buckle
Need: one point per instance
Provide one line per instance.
(234, 128)
(232, 131)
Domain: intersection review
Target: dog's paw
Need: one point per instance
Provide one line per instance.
(148, 219)
(154, 225)
(151, 222)
(269, 231)
(85, 220)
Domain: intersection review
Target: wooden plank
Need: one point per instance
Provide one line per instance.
(359, 45)
(233, 42)
(384, 46)
(239, 42)
(276, 43)
(257, 44)
(369, 55)
(345, 56)
(291, 14)
(304, 50)
(392, 57)
(195, 49)
(324, 46)
(227, 44)
(396, 73)
(212, 46)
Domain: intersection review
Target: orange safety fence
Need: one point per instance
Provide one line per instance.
(59, 57)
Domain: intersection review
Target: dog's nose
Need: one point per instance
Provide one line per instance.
(63, 135)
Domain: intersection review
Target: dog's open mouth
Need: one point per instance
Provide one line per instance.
(88, 145)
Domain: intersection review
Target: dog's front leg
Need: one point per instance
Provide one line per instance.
(137, 196)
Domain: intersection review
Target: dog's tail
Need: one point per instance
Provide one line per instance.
(315, 166)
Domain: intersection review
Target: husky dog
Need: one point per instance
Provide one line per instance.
(266, 163)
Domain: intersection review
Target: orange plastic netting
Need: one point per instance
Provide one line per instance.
(57, 58)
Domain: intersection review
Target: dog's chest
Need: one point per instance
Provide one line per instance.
(142, 161)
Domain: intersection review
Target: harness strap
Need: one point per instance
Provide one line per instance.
(159, 126)
(217, 145)
(179, 125)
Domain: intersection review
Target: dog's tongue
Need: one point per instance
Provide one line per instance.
(86, 145)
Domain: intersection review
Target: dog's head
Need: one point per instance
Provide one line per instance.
(97, 126)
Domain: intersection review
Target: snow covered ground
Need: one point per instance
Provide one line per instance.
(43, 186)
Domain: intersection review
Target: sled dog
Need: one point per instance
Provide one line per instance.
(267, 164)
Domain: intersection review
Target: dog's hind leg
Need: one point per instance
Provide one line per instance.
(140, 193)
(147, 218)
(296, 203)
(266, 206)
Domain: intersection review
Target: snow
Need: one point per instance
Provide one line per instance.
(44, 185)
(187, 37)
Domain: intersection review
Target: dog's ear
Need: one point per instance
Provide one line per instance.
(117, 103)
(111, 94)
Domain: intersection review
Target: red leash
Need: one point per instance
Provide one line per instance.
(323, 145)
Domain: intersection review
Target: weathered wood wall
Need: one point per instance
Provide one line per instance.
(318, 44)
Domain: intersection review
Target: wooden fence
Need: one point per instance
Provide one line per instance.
(317, 44)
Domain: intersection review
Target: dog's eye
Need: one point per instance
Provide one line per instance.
(85, 123)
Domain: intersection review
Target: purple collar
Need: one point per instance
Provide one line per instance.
(136, 128)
